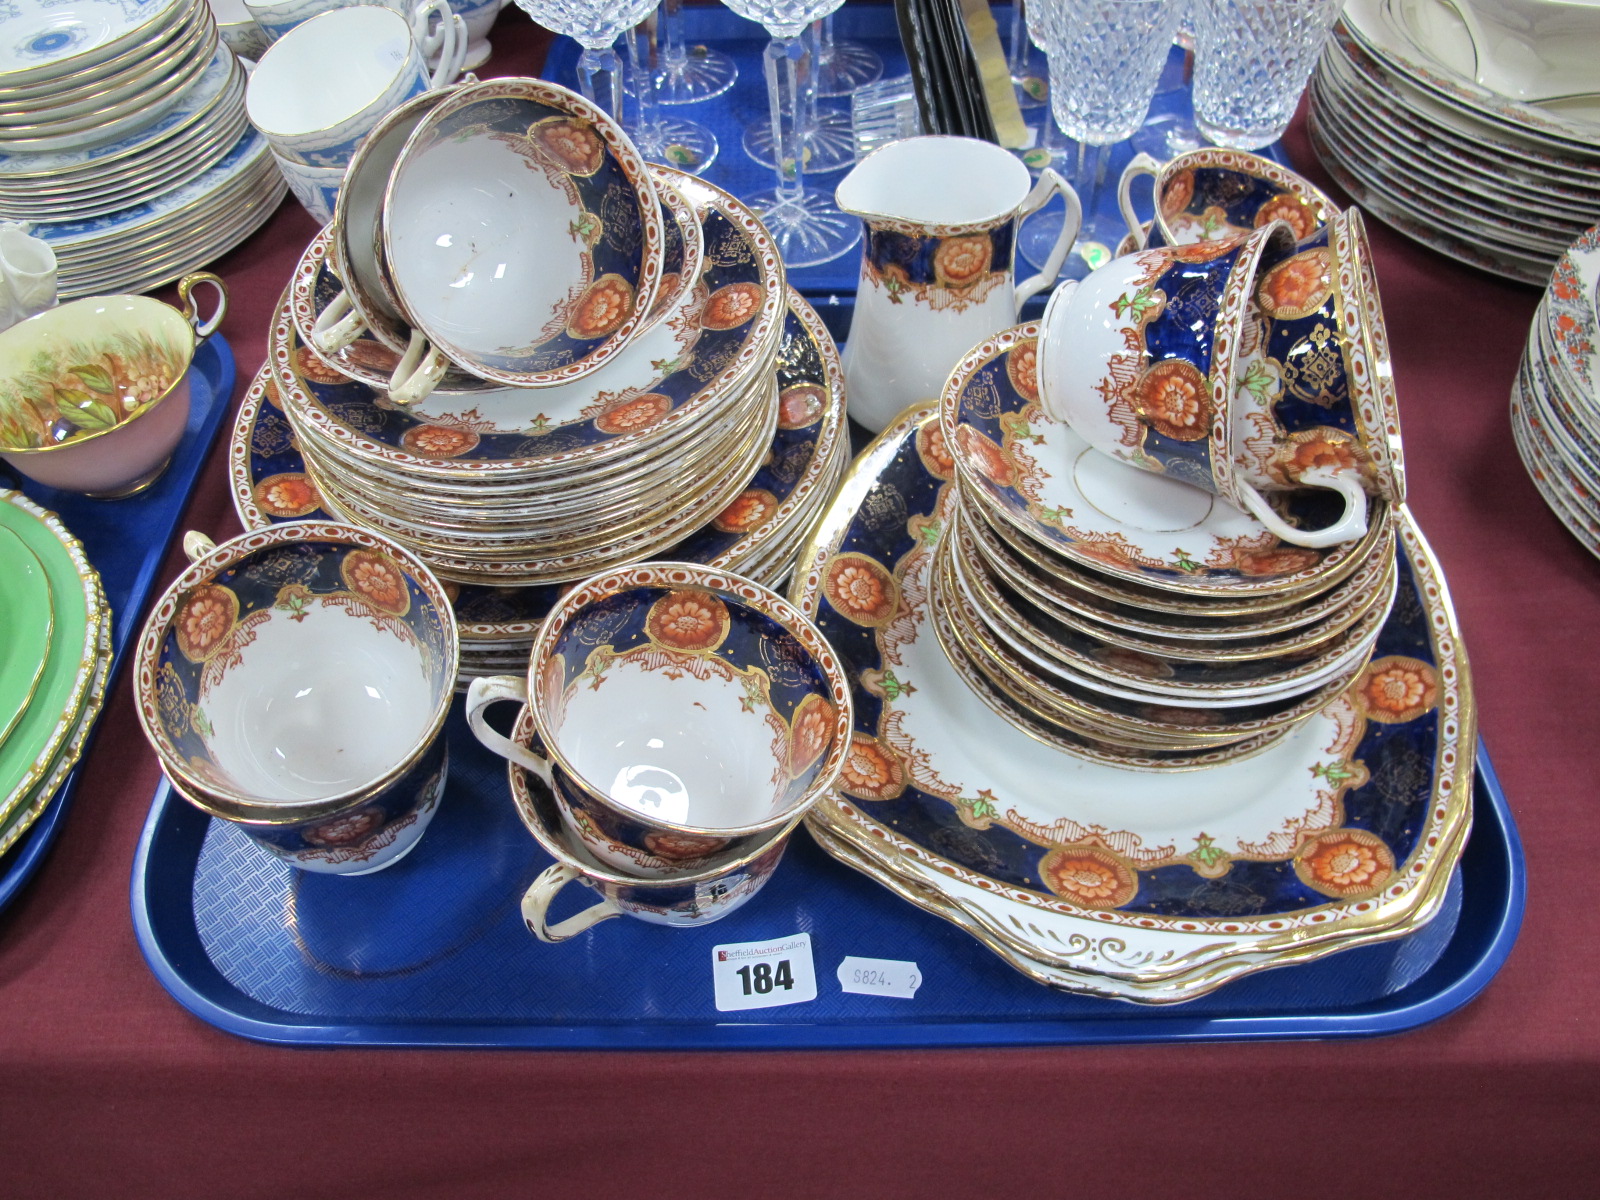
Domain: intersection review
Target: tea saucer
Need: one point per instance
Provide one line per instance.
(1345, 829)
(1036, 475)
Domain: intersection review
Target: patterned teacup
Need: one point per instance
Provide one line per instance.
(698, 897)
(685, 715)
(294, 682)
(1140, 358)
(94, 395)
(1214, 193)
(326, 83)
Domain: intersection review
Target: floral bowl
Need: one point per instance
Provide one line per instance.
(686, 714)
(94, 395)
(294, 681)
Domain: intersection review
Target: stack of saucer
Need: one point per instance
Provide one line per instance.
(717, 438)
(1469, 127)
(54, 661)
(123, 135)
(1132, 618)
(1555, 401)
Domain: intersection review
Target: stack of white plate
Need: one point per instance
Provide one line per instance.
(123, 139)
(717, 437)
(1466, 132)
(1555, 402)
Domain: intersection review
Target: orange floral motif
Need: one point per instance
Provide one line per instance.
(690, 620)
(1089, 876)
(373, 355)
(309, 366)
(377, 579)
(1178, 192)
(748, 510)
(438, 441)
(1346, 863)
(633, 415)
(962, 261)
(1297, 287)
(1022, 368)
(811, 732)
(1397, 689)
(935, 453)
(346, 830)
(1278, 560)
(682, 847)
(1111, 552)
(801, 405)
(1294, 211)
(984, 456)
(287, 495)
(269, 393)
(860, 589)
(605, 304)
(205, 621)
(1322, 451)
(871, 770)
(571, 144)
(732, 305)
(1174, 399)
(1204, 252)
(666, 292)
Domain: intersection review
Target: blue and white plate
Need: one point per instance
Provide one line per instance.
(44, 39)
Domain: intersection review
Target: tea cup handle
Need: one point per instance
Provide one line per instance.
(197, 545)
(419, 371)
(492, 690)
(1352, 525)
(186, 287)
(536, 903)
(337, 325)
(447, 42)
(1049, 184)
(1140, 164)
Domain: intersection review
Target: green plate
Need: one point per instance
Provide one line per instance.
(25, 621)
(32, 748)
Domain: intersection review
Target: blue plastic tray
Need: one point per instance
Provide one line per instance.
(433, 952)
(831, 287)
(126, 541)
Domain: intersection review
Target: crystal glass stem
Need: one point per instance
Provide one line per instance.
(644, 84)
(600, 78)
(784, 58)
(1017, 48)
(674, 54)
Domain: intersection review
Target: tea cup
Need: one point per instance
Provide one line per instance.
(1139, 359)
(323, 86)
(1212, 193)
(94, 394)
(317, 188)
(683, 901)
(294, 682)
(685, 715)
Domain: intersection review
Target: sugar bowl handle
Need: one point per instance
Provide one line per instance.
(492, 690)
(1049, 185)
(186, 287)
(419, 371)
(536, 904)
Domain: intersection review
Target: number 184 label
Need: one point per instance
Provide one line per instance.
(763, 974)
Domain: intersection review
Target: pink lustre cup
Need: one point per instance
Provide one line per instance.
(294, 682)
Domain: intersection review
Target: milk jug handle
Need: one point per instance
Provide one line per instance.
(1049, 184)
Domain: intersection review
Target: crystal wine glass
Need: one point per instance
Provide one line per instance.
(1170, 134)
(685, 74)
(807, 226)
(842, 67)
(1252, 60)
(826, 136)
(1105, 57)
(1025, 78)
(594, 25)
(675, 141)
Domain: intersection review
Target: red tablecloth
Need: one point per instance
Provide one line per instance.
(107, 1087)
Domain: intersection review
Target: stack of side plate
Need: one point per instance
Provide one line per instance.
(501, 447)
(1129, 617)
(1107, 879)
(54, 658)
(1479, 173)
(1555, 401)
